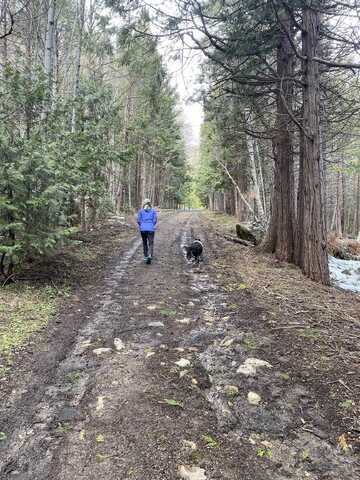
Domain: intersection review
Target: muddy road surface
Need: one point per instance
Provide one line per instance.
(162, 372)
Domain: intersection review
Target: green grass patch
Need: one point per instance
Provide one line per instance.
(64, 428)
(264, 453)
(309, 333)
(24, 310)
(250, 342)
(196, 457)
(209, 441)
(73, 377)
(347, 404)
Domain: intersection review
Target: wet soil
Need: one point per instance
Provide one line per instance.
(145, 370)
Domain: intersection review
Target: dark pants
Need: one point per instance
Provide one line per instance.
(148, 243)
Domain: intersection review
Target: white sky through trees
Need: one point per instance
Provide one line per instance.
(184, 69)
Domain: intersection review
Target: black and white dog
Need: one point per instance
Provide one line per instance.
(194, 250)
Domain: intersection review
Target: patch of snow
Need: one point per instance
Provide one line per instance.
(345, 273)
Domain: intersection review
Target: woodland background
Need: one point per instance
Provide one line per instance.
(90, 123)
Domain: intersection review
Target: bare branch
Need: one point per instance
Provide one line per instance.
(329, 63)
(11, 27)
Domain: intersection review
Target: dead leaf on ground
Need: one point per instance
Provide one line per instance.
(343, 442)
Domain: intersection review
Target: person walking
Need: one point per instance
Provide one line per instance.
(147, 220)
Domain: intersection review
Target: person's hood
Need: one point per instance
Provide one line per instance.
(147, 203)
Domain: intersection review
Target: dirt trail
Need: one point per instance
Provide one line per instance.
(107, 399)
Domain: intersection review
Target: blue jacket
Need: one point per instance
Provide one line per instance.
(147, 219)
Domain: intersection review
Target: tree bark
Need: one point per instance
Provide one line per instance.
(338, 208)
(299, 243)
(49, 53)
(261, 179)
(251, 151)
(80, 27)
(280, 234)
(357, 208)
(313, 230)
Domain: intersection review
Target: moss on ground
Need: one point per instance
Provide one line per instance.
(24, 310)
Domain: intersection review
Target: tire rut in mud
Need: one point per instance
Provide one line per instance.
(173, 337)
(44, 397)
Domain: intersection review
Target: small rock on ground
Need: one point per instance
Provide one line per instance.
(119, 344)
(253, 398)
(183, 362)
(156, 324)
(251, 365)
(101, 351)
(185, 321)
(191, 473)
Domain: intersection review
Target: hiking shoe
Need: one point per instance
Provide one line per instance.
(148, 260)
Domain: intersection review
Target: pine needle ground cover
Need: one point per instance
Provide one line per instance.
(315, 326)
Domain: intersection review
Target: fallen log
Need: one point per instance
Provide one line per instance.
(230, 238)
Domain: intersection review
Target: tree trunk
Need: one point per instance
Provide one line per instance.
(299, 243)
(4, 41)
(83, 213)
(80, 26)
(261, 179)
(357, 208)
(49, 53)
(129, 188)
(251, 151)
(343, 203)
(338, 208)
(241, 195)
(280, 234)
(315, 260)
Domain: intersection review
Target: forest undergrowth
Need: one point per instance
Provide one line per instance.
(319, 324)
